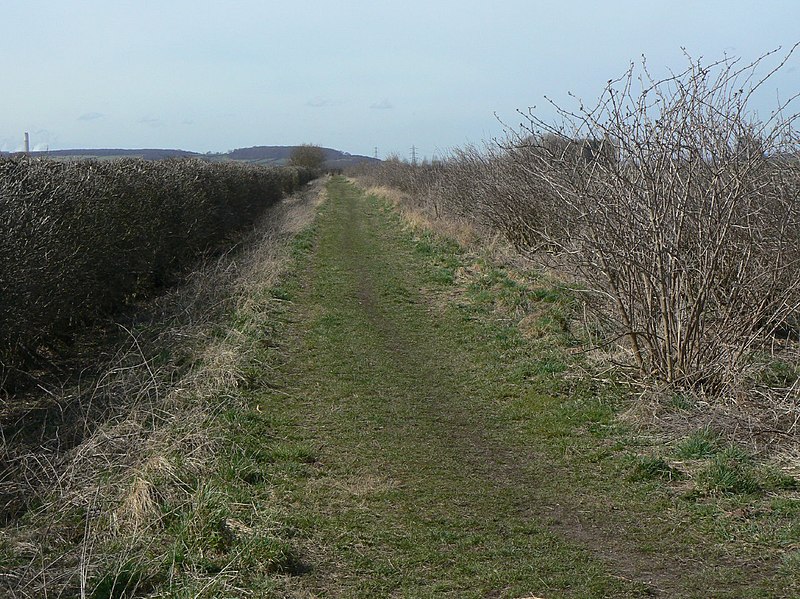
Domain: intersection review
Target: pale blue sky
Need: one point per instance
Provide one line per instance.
(348, 74)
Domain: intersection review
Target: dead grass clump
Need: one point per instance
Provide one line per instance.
(139, 509)
(419, 216)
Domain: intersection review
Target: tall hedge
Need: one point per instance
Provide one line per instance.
(80, 239)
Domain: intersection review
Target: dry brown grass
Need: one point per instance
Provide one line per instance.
(469, 234)
(102, 501)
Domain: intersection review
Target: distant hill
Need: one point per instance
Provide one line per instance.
(271, 155)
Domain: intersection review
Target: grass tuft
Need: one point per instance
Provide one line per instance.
(124, 582)
(702, 443)
(729, 472)
(654, 468)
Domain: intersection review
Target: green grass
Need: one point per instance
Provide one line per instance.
(128, 580)
(412, 490)
(729, 473)
(703, 443)
(779, 374)
(402, 436)
(728, 469)
(416, 443)
(652, 468)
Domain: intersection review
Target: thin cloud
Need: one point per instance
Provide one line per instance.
(150, 121)
(382, 105)
(320, 102)
(91, 116)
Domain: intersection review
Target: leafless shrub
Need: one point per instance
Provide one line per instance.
(681, 208)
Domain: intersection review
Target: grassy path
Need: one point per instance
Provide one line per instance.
(412, 444)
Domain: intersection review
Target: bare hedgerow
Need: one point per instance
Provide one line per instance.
(680, 207)
(83, 239)
(103, 504)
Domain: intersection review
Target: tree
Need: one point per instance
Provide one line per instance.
(307, 155)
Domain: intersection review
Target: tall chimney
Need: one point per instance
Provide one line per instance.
(27, 143)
